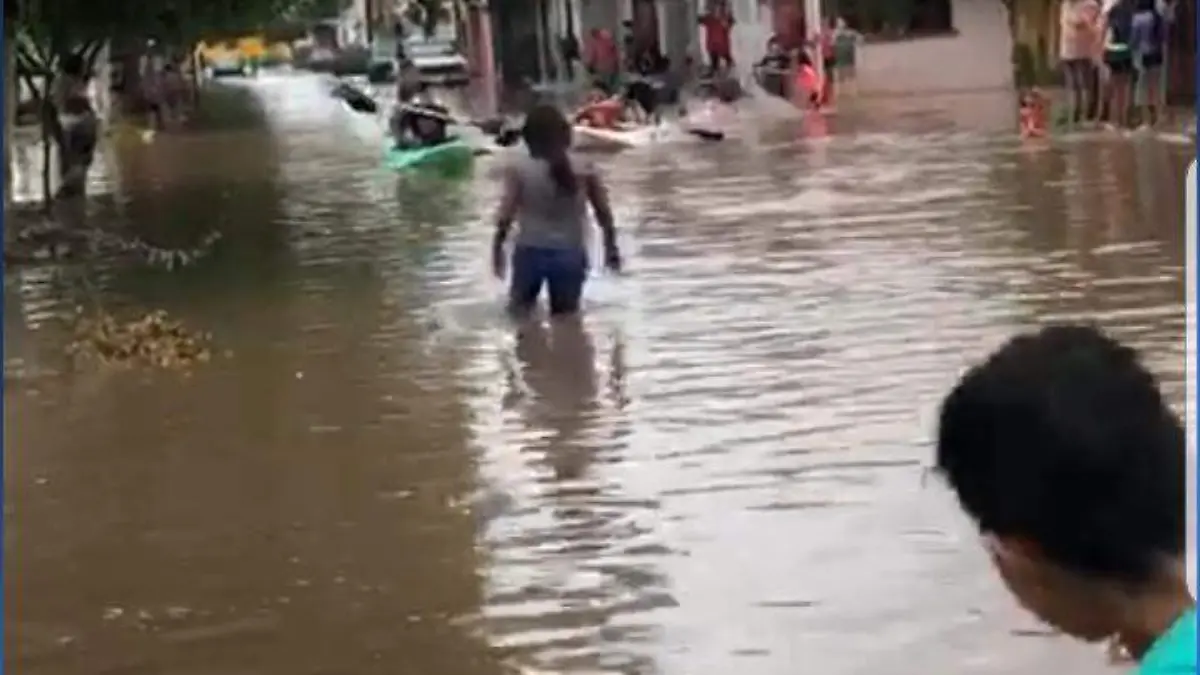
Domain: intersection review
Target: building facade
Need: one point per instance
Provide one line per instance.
(963, 45)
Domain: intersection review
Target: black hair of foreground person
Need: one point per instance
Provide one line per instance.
(1061, 448)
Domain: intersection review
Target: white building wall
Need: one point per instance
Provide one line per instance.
(751, 29)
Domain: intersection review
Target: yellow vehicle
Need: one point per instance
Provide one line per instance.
(238, 56)
(222, 58)
(252, 48)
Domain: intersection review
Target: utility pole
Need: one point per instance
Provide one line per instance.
(815, 23)
(369, 21)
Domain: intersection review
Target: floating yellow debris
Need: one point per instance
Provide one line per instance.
(153, 340)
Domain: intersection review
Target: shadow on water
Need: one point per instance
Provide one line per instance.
(567, 402)
(720, 469)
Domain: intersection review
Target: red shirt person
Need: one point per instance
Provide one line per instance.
(600, 54)
(718, 24)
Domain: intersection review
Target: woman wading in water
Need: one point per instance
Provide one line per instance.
(547, 193)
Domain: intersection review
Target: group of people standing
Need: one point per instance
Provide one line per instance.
(789, 68)
(1113, 57)
(792, 72)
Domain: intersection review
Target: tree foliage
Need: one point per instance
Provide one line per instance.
(63, 26)
(45, 32)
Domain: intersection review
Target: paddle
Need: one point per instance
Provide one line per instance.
(702, 134)
(504, 136)
(360, 101)
(357, 99)
(706, 134)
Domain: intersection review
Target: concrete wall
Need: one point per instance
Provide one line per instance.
(600, 14)
(978, 58)
(677, 20)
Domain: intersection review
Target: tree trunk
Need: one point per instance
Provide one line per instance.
(11, 99)
(47, 176)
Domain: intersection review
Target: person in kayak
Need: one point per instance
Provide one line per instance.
(547, 193)
(420, 125)
(641, 101)
(772, 71)
(601, 110)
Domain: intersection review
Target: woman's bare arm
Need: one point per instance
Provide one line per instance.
(510, 201)
(597, 195)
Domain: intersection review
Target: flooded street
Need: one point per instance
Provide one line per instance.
(723, 469)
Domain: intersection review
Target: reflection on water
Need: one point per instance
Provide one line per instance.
(718, 468)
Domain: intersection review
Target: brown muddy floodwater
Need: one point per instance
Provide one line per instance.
(721, 471)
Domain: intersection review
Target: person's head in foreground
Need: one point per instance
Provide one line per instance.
(1061, 448)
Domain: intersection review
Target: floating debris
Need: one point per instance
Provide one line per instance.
(48, 241)
(153, 340)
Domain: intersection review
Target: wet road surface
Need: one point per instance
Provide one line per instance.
(723, 468)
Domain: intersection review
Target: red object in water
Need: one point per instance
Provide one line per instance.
(601, 115)
(1033, 122)
(810, 89)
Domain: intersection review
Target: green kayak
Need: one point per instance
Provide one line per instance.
(451, 158)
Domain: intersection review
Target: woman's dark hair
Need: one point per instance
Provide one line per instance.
(1062, 438)
(548, 136)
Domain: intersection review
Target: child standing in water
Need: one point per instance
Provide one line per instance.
(548, 193)
(846, 41)
(808, 91)
(1033, 113)
(1062, 450)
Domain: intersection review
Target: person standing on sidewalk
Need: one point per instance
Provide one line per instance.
(846, 42)
(601, 57)
(1118, 61)
(80, 126)
(1148, 40)
(1079, 34)
(718, 40)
